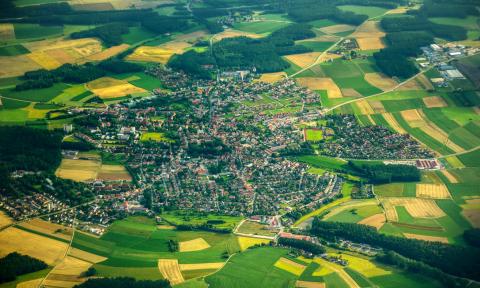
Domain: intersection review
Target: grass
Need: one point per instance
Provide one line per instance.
(313, 135)
(154, 137)
(253, 268)
(361, 280)
(469, 23)
(334, 280)
(316, 46)
(139, 273)
(404, 104)
(36, 95)
(33, 31)
(136, 35)
(370, 11)
(323, 162)
(13, 116)
(396, 280)
(359, 84)
(260, 27)
(322, 23)
(25, 277)
(321, 210)
(13, 50)
(250, 227)
(356, 214)
(184, 217)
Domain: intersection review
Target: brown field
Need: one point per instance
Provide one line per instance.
(305, 59)
(418, 208)
(337, 28)
(424, 82)
(7, 32)
(273, 77)
(434, 102)
(376, 221)
(85, 256)
(377, 106)
(380, 81)
(44, 60)
(35, 283)
(432, 191)
(309, 284)
(410, 85)
(151, 54)
(193, 245)
(369, 29)
(350, 92)
(13, 66)
(48, 228)
(471, 211)
(78, 170)
(100, 6)
(372, 43)
(109, 52)
(450, 177)
(315, 83)
(108, 88)
(201, 266)
(230, 33)
(426, 238)
(170, 270)
(67, 273)
(5, 220)
(46, 249)
(165, 227)
(413, 117)
(392, 122)
(364, 107)
(77, 48)
(113, 172)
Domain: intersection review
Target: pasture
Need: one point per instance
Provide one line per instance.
(192, 218)
(260, 27)
(370, 11)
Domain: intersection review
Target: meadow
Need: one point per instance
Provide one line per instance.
(259, 27)
(370, 11)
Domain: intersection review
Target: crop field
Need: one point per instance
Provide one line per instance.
(380, 81)
(316, 46)
(185, 218)
(303, 60)
(417, 208)
(290, 266)
(4, 220)
(109, 52)
(369, 36)
(193, 245)
(426, 238)
(13, 50)
(376, 220)
(260, 27)
(338, 28)
(434, 102)
(14, 66)
(432, 191)
(90, 170)
(231, 33)
(111, 88)
(47, 228)
(370, 11)
(67, 273)
(34, 31)
(46, 249)
(316, 83)
(255, 228)
(170, 270)
(247, 242)
(7, 32)
(158, 54)
(273, 77)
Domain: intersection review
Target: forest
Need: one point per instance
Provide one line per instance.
(456, 260)
(15, 264)
(302, 245)
(123, 282)
(381, 173)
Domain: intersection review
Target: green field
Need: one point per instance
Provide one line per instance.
(316, 46)
(33, 2)
(260, 27)
(313, 135)
(191, 218)
(356, 214)
(33, 31)
(13, 50)
(253, 268)
(137, 34)
(370, 11)
(35, 95)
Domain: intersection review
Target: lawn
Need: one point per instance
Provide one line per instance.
(32, 31)
(155, 137)
(313, 135)
(370, 11)
(260, 27)
(253, 268)
(13, 50)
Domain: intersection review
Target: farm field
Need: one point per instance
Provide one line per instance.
(255, 228)
(259, 27)
(370, 11)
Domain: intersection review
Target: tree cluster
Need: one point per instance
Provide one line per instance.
(110, 34)
(15, 264)
(456, 260)
(381, 173)
(123, 282)
(302, 245)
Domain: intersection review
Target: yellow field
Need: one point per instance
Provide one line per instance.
(450, 177)
(413, 118)
(304, 59)
(78, 170)
(231, 33)
(471, 211)
(273, 77)
(86, 256)
(45, 227)
(392, 122)
(339, 270)
(44, 60)
(362, 265)
(426, 238)
(372, 43)
(109, 88)
(46, 249)
(380, 81)
(418, 208)
(434, 102)
(7, 32)
(309, 284)
(290, 266)
(35, 283)
(247, 242)
(337, 28)
(193, 245)
(315, 83)
(322, 271)
(201, 266)
(4, 219)
(350, 92)
(13, 66)
(377, 106)
(376, 221)
(113, 172)
(109, 52)
(432, 191)
(455, 162)
(170, 270)
(79, 49)
(165, 227)
(369, 29)
(151, 54)
(67, 273)
(364, 107)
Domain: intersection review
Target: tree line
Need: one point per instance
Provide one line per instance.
(302, 245)
(452, 259)
(124, 282)
(381, 173)
(15, 264)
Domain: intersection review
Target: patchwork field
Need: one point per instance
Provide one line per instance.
(426, 238)
(48, 228)
(418, 208)
(152, 54)
(290, 266)
(273, 77)
(369, 36)
(67, 273)
(193, 245)
(305, 59)
(380, 81)
(247, 242)
(432, 191)
(315, 83)
(339, 28)
(111, 88)
(90, 170)
(376, 220)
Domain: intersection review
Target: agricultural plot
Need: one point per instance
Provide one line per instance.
(247, 242)
(160, 54)
(170, 270)
(290, 266)
(273, 77)
(231, 33)
(4, 220)
(47, 228)
(111, 88)
(316, 83)
(380, 81)
(352, 211)
(260, 27)
(255, 228)
(338, 28)
(33, 31)
(303, 60)
(193, 245)
(67, 273)
(369, 36)
(90, 170)
(370, 11)
(154, 137)
(426, 238)
(13, 50)
(417, 208)
(313, 135)
(109, 52)
(432, 191)
(376, 221)
(7, 32)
